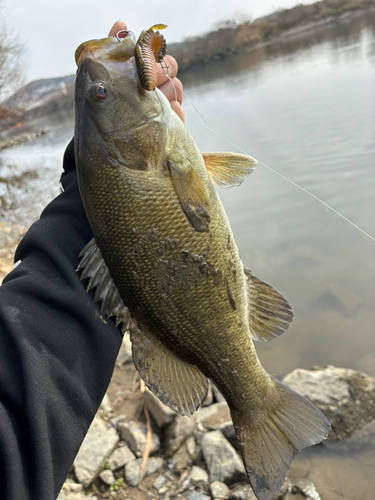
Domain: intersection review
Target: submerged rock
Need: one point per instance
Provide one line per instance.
(345, 396)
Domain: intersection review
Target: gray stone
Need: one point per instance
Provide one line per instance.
(307, 488)
(105, 405)
(218, 397)
(71, 491)
(97, 445)
(227, 428)
(107, 477)
(158, 483)
(133, 468)
(125, 354)
(190, 446)
(219, 489)
(196, 495)
(213, 416)
(345, 396)
(135, 436)
(177, 432)
(120, 457)
(198, 474)
(242, 493)
(161, 413)
(221, 459)
(210, 397)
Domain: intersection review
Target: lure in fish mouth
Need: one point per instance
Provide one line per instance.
(164, 262)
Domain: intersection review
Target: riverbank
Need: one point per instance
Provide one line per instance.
(230, 40)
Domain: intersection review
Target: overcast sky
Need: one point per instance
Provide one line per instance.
(52, 31)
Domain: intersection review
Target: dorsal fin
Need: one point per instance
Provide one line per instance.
(270, 314)
(95, 268)
(177, 383)
(229, 169)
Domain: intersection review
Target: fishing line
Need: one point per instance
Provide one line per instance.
(269, 168)
(187, 97)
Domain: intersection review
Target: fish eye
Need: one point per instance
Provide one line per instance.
(100, 92)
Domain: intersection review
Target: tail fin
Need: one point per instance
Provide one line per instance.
(270, 439)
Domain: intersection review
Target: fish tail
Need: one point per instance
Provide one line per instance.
(272, 435)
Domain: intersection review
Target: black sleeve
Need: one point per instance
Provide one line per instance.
(56, 355)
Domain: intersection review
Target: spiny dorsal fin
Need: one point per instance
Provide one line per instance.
(229, 169)
(191, 193)
(270, 313)
(178, 384)
(95, 268)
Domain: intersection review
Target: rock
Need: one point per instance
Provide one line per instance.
(227, 429)
(135, 436)
(219, 489)
(105, 405)
(210, 397)
(242, 493)
(107, 477)
(97, 445)
(198, 474)
(177, 432)
(307, 488)
(338, 299)
(196, 495)
(125, 354)
(158, 483)
(190, 446)
(214, 415)
(161, 413)
(72, 491)
(120, 457)
(345, 396)
(218, 397)
(221, 459)
(132, 469)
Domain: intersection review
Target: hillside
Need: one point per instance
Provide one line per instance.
(232, 38)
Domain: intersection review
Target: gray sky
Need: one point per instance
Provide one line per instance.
(52, 30)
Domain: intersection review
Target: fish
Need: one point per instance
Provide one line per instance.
(164, 262)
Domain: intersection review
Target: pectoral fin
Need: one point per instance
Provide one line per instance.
(270, 314)
(229, 169)
(178, 384)
(95, 268)
(191, 193)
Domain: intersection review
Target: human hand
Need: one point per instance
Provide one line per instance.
(172, 91)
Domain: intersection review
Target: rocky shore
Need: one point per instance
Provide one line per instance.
(195, 458)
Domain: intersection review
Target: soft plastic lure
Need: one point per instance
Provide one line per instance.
(150, 49)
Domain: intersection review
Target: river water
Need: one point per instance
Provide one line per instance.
(304, 106)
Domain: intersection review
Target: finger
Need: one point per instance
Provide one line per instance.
(172, 70)
(176, 106)
(172, 90)
(118, 26)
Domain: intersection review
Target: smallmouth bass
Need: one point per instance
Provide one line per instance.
(164, 255)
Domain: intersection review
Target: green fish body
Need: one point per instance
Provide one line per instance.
(164, 248)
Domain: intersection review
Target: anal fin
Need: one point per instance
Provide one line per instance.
(177, 383)
(95, 268)
(270, 314)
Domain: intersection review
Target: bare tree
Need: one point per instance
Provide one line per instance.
(11, 50)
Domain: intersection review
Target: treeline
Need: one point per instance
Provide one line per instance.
(231, 38)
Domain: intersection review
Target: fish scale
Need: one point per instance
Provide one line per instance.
(164, 246)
